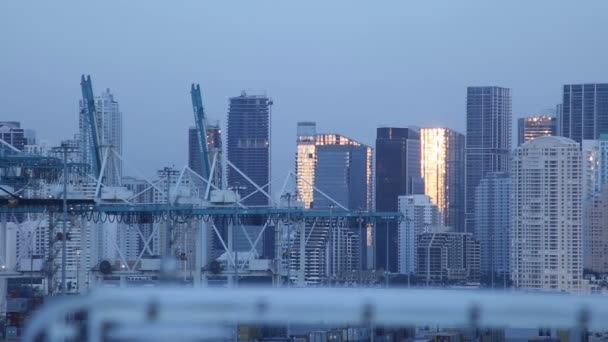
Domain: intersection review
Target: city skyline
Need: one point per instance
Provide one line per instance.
(398, 84)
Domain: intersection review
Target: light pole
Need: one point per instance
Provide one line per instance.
(64, 149)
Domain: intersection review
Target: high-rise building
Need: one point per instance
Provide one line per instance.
(595, 178)
(12, 132)
(532, 127)
(109, 130)
(447, 257)
(596, 231)
(546, 223)
(420, 215)
(488, 139)
(214, 144)
(397, 174)
(442, 168)
(584, 111)
(339, 168)
(248, 148)
(493, 223)
(248, 145)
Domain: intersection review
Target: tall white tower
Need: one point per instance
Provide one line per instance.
(109, 129)
(546, 226)
(420, 215)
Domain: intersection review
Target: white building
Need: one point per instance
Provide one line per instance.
(420, 215)
(546, 245)
(595, 178)
(109, 131)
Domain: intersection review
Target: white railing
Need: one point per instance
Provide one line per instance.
(155, 313)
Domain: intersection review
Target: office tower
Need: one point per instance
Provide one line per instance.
(109, 130)
(546, 209)
(214, 144)
(596, 231)
(420, 215)
(339, 168)
(532, 127)
(442, 167)
(595, 178)
(12, 132)
(306, 161)
(488, 139)
(447, 257)
(397, 174)
(248, 145)
(493, 223)
(336, 165)
(595, 165)
(584, 112)
(248, 148)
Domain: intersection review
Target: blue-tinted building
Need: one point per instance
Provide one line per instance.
(584, 111)
(397, 173)
(493, 223)
(488, 140)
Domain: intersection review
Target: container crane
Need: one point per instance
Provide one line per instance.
(201, 128)
(89, 102)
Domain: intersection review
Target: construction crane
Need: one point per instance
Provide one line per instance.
(89, 106)
(201, 128)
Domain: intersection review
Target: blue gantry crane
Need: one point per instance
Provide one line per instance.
(89, 106)
(201, 128)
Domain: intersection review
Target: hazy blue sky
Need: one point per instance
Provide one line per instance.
(351, 66)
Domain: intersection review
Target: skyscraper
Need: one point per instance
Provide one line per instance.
(596, 231)
(248, 145)
(339, 167)
(442, 167)
(420, 216)
(109, 129)
(397, 174)
(532, 127)
(488, 139)
(595, 179)
(584, 113)
(546, 222)
(493, 223)
(214, 143)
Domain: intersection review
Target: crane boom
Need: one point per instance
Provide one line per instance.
(89, 102)
(201, 127)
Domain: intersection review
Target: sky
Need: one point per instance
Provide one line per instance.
(349, 65)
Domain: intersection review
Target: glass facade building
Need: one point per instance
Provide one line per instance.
(532, 127)
(248, 145)
(248, 148)
(339, 167)
(488, 142)
(493, 223)
(397, 174)
(442, 168)
(584, 111)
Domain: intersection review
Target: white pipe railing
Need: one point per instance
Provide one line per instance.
(165, 307)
